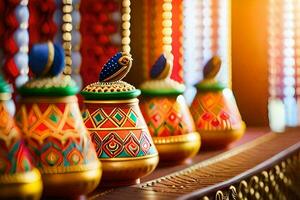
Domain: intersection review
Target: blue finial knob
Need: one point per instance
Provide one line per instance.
(46, 59)
(162, 68)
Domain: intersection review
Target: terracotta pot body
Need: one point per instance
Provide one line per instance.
(122, 140)
(171, 126)
(217, 117)
(60, 143)
(19, 179)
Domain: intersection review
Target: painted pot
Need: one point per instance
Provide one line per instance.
(60, 144)
(170, 124)
(121, 137)
(217, 117)
(214, 109)
(19, 179)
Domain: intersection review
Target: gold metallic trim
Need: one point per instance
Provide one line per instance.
(72, 184)
(70, 169)
(107, 87)
(50, 58)
(219, 195)
(5, 96)
(177, 139)
(135, 100)
(128, 169)
(177, 148)
(221, 137)
(28, 191)
(19, 178)
(67, 99)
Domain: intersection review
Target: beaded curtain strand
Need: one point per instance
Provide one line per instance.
(15, 40)
(177, 39)
(213, 35)
(126, 26)
(75, 60)
(66, 35)
(157, 45)
(148, 13)
(76, 42)
(192, 60)
(163, 33)
(283, 63)
(297, 57)
(167, 26)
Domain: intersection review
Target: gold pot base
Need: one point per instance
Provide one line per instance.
(21, 186)
(221, 139)
(177, 148)
(127, 171)
(71, 184)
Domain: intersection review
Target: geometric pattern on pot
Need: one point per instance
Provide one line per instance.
(106, 118)
(114, 146)
(216, 111)
(167, 116)
(14, 156)
(55, 134)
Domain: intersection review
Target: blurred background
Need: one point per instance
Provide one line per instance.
(258, 42)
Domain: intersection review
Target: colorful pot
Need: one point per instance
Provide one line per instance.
(215, 111)
(167, 115)
(50, 118)
(19, 179)
(121, 137)
(171, 126)
(60, 144)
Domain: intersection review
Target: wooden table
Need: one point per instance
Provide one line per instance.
(224, 172)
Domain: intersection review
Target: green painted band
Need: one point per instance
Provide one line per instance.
(110, 95)
(51, 91)
(210, 87)
(162, 92)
